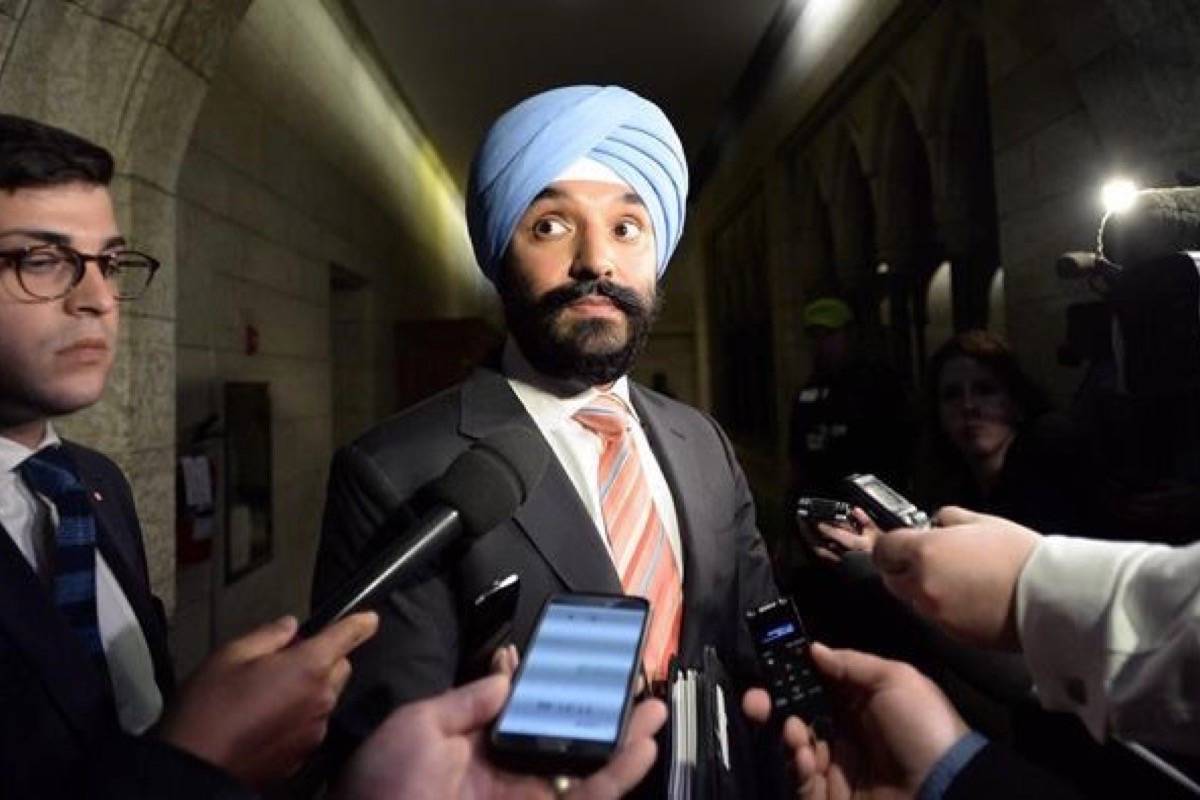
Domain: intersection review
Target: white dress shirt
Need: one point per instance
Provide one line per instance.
(1111, 631)
(578, 449)
(30, 520)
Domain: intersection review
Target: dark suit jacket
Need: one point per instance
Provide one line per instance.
(995, 772)
(551, 542)
(59, 735)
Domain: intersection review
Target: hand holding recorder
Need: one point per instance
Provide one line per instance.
(834, 527)
(962, 575)
(894, 725)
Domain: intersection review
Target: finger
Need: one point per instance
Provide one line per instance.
(796, 734)
(850, 668)
(339, 640)
(648, 717)
(862, 517)
(339, 675)
(505, 660)
(953, 515)
(625, 771)
(809, 777)
(262, 641)
(897, 552)
(470, 707)
(756, 704)
(632, 759)
(847, 539)
(823, 755)
(827, 554)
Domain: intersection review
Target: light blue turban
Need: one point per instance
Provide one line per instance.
(535, 140)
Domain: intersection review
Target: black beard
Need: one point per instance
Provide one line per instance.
(585, 351)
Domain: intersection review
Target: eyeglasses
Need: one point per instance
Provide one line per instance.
(51, 271)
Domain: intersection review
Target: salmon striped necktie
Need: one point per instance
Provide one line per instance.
(638, 540)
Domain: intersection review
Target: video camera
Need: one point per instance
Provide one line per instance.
(1141, 397)
(1147, 270)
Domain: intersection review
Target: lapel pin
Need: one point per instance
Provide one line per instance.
(97, 497)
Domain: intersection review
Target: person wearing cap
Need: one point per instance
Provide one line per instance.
(576, 201)
(851, 416)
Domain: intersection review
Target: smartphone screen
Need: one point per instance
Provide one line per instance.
(572, 692)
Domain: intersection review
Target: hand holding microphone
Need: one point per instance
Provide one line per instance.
(258, 707)
(480, 489)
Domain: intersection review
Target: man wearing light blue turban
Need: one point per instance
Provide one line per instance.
(535, 141)
(576, 202)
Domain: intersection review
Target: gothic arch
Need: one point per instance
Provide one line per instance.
(967, 207)
(906, 232)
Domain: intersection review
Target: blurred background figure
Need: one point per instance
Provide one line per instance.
(992, 442)
(852, 413)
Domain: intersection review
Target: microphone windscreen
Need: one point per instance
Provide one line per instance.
(488, 482)
(1163, 221)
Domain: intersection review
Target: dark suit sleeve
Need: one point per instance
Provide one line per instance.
(414, 654)
(997, 772)
(755, 578)
(145, 768)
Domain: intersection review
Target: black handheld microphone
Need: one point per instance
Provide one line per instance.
(480, 489)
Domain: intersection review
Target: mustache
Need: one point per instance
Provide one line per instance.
(622, 297)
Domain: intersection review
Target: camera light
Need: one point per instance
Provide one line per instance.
(1118, 195)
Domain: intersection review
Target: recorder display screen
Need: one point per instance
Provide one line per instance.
(575, 674)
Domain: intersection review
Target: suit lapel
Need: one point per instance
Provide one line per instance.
(29, 619)
(683, 470)
(553, 517)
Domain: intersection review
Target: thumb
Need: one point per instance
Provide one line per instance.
(469, 708)
(263, 640)
(895, 552)
(953, 515)
(849, 669)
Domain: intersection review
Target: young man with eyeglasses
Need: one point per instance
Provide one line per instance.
(84, 669)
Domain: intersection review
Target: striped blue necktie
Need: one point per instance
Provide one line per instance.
(51, 473)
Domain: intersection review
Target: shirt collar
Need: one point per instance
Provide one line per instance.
(550, 401)
(13, 454)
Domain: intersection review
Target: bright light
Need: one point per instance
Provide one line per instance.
(1118, 195)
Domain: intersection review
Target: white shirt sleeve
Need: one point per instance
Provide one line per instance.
(1111, 632)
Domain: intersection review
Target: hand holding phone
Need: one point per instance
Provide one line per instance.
(571, 698)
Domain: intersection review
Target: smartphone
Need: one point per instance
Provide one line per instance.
(488, 625)
(782, 648)
(573, 692)
(885, 505)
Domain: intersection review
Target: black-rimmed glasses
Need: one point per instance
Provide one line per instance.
(51, 271)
